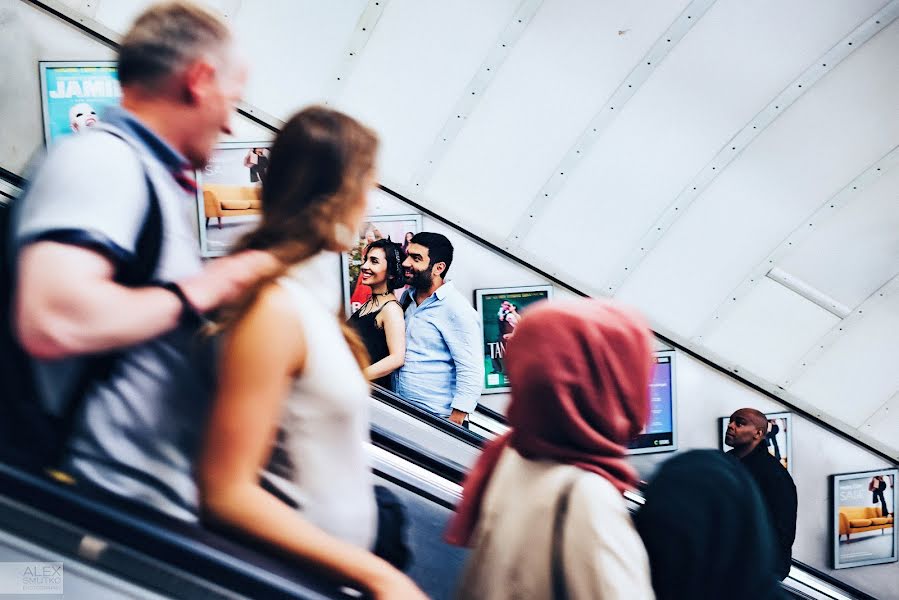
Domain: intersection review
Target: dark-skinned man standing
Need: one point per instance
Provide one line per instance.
(746, 433)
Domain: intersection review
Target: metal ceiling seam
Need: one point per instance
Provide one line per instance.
(365, 27)
(472, 93)
(88, 24)
(610, 109)
(894, 399)
(745, 136)
(825, 211)
(777, 393)
(825, 342)
(90, 7)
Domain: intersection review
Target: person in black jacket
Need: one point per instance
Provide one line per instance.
(746, 434)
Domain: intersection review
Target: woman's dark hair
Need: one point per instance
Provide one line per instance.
(393, 254)
(318, 168)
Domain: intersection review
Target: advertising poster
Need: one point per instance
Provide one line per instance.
(229, 194)
(500, 310)
(864, 514)
(779, 438)
(397, 228)
(660, 434)
(74, 94)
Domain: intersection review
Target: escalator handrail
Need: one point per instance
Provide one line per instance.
(253, 572)
(444, 425)
(417, 455)
(832, 581)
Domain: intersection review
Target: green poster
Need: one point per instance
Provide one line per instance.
(500, 310)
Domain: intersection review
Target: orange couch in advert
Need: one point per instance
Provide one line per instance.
(856, 519)
(230, 201)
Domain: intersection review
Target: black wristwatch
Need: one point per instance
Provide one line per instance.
(189, 314)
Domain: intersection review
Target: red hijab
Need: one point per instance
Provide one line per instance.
(580, 373)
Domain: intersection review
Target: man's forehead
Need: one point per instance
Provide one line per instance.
(417, 249)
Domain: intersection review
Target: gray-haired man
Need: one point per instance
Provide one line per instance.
(78, 226)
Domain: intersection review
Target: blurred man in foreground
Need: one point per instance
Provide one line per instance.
(95, 279)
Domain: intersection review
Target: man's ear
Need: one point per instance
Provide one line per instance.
(197, 79)
(439, 268)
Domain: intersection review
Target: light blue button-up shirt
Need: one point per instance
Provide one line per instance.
(444, 368)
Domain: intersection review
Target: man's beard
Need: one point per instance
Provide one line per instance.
(420, 280)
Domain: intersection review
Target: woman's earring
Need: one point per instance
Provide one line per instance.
(344, 237)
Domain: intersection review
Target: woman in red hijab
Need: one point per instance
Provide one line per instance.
(543, 507)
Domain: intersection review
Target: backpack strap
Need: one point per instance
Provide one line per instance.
(137, 272)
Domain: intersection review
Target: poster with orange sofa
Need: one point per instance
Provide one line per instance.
(229, 201)
(864, 513)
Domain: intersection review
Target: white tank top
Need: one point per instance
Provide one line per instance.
(325, 427)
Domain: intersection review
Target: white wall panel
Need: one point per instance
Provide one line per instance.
(559, 74)
(769, 330)
(857, 250)
(419, 59)
(29, 35)
(694, 103)
(822, 141)
(857, 373)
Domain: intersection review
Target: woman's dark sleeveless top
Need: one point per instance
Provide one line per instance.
(375, 340)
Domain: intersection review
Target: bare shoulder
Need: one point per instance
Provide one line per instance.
(271, 325)
(390, 313)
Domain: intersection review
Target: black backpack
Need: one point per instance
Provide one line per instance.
(30, 435)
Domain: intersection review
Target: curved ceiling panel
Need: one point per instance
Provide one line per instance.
(769, 330)
(856, 251)
(830, 134)
(294, 49)
(548, 90)
(418, 61)
(711, 85)
(857, 372)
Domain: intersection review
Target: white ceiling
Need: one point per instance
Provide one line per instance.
(667, 152)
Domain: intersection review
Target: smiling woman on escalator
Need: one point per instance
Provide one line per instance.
(290, 370)
(380, 321)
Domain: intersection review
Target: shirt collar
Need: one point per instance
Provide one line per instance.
(159, 148)
(440, 294)
(444, 289)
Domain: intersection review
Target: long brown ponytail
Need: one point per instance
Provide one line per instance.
(319, 166)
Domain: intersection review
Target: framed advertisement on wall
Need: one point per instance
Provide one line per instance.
(779, 438)
(660, 433)
(863, 517)
(397, 228)
(499, 310)
(74, 94)
(229, 189)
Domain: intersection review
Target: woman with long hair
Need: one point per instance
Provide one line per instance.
(290, 369)
(380, 322)
(543, 506)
